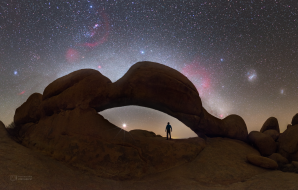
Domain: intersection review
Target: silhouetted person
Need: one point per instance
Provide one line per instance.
(169, 130)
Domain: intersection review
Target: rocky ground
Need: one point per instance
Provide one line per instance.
(221, 165)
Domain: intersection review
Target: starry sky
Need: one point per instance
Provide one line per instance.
(242, 55)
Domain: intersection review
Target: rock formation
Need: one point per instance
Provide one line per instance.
(295, 119)
(272, 133)
(145, 84)
(263, 142)
(279, 159)
(262, 161)
(270, 123)
(63, 122)
(288, 143)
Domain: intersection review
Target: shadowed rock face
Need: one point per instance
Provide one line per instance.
(145, 84)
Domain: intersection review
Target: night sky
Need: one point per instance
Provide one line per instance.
(241, 55)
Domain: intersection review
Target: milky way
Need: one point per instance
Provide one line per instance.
(240, 55)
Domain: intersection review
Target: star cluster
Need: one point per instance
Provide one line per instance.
(240, 55)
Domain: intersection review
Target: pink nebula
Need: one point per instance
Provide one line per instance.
(199, 76)
(72, 55)
(98, 33)
(22, 92)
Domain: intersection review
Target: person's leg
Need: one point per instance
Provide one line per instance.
(170, 136)
(167, 134)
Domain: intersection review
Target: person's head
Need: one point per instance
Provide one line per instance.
(168, 123)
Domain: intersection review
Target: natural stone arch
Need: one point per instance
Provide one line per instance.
(64, 123)
(146, 84)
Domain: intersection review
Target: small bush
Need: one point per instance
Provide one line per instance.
(13, 130)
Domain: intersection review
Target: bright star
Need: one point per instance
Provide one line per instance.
(221, 60)
(124, 125)
(91, 6)
(15, 72)
(142, 52)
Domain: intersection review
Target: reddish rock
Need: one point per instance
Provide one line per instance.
(263, 142)
(262, 161)
(270, 123)
(272, 133)
(288, 143)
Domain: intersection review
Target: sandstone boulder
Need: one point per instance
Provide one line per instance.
(279, 159)
(288, 126)
(288, 143)
(270, 123)
(263, 142)
(295, 119)
(272, 133)
(237, 126)
(262, 161)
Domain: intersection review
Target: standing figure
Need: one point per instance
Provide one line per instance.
(169, 130)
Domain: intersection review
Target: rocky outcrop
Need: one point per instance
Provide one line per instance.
(145, 84)
(272, 133)
(288, 143)
(295, 119)
(262, 161)
(84, 139)
(143, 133)
(279, 159)
(270, 123)
(64, 124)
(263, 142)
(237, 127)
(28, 111)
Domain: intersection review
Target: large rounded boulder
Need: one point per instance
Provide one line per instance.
(237, 126)
(263, 142)
(288, 143)
(270, 123)
(262, 161)
(272, 133)
(279, 159)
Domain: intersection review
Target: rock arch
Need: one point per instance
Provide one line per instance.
(64, 123)
(146, 84)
